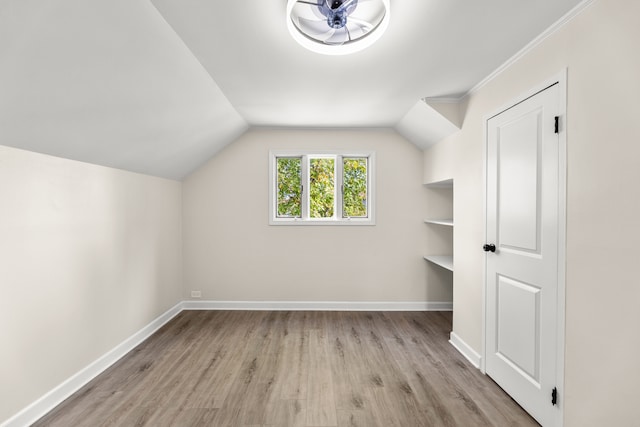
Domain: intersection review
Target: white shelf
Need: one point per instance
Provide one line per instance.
(440, 184)
(444, 261)
(447, 222)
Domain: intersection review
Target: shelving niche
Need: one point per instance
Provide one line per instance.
(440, 223)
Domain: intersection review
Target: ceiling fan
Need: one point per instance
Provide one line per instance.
(335, 23)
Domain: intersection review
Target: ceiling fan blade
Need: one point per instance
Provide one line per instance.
(314, 28)
(322, 38)
(356, 31)
(366, 26)
(307, 10)
(338, 37)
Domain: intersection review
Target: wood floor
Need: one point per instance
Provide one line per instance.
(260, 368)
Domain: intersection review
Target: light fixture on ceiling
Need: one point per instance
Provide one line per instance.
(337, 27)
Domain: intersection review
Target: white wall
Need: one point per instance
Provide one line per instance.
(600, 49)
(232, 254)
(88, 256)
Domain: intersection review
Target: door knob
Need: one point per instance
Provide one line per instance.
(489, 248)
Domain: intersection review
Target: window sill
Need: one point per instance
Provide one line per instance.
(298, 221)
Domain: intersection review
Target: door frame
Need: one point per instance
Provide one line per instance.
(560, 79)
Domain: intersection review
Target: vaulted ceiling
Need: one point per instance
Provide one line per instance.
(159, 87)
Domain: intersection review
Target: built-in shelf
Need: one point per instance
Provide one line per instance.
(447, 222)
(444, 261)
(440, 184)
(440, 214)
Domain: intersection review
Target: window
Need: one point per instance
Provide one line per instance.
(321, 188)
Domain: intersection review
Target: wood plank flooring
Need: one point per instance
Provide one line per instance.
(303, 369)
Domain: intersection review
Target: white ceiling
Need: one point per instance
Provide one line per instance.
(159, 90)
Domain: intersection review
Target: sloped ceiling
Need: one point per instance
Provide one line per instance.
(160, 87)
(110, 83)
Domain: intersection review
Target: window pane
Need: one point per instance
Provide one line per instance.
(289, 187)
(354, 194)
(321, 187)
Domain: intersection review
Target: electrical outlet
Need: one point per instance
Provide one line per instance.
(196, 294)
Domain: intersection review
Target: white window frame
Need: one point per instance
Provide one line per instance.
(337, 218)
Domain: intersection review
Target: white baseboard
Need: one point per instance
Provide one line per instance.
(317, 305)
(46, 403)
(464, 349)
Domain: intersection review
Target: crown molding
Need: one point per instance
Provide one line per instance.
(555, 27)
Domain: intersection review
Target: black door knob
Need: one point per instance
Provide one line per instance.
(489, 248)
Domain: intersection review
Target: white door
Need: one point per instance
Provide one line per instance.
(522, 265)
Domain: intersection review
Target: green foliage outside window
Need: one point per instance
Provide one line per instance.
(354, 197)
(289, 187)
(322, 187)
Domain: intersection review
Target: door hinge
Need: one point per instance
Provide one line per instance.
(554, 396)
(557, 124)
